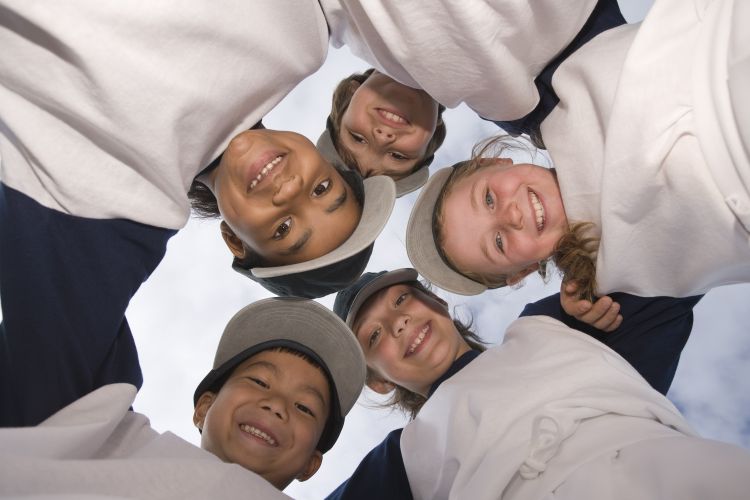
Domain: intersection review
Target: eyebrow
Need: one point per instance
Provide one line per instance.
(473, 196)
(315, 392)
(264, 364)
(337, 202)
(299, 244)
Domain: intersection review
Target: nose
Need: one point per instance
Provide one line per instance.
(275, 405)
(383, 135)
(287, 189)
(399, 325)
(512, 216)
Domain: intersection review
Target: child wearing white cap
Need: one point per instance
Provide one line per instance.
(651, 192)
(285, 374)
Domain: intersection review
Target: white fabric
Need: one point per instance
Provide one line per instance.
(483, 53)
(681, 467)
(109, 109)
(545, 401)
(648, 134)
(96, 448)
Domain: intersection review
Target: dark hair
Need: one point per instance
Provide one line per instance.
(342, 96)
(410, 402)
(202, 201)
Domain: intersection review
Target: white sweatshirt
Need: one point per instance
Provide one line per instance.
(97, 448)
(648, 143)
(110, 109)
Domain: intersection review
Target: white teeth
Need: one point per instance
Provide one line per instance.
(418, 340)
(393, 117)
(258, 433)
(264, 171)
(538, 210)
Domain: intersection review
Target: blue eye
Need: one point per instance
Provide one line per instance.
(499, 242)
(488, 200)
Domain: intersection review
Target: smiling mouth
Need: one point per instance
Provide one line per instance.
(254, 431)
(418, 340)
(538, 210)
(392, 117)
(265, 171)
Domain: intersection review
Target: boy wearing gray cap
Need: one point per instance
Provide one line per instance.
(285, 374)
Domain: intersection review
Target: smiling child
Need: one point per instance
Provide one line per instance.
(551, 409)
(286, 373)
(379, 126)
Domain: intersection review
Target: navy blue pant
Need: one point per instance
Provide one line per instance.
(65, 283)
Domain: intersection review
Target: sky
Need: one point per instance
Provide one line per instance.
(178, 315)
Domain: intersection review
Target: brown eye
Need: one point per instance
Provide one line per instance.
(322, 188)
(283, 229)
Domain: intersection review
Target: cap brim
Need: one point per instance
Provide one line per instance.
(383, 281)
(412, 182)
(284, 320)
(380, 196)
(420, 242)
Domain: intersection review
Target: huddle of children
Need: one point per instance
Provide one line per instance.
(97, 162)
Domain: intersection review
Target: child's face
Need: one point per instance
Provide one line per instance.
(408, 337)
(388, 126)
(268, 417)
(299, 209)
(503, 219)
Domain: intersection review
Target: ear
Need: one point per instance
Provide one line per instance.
(380, 385)
(201, 408)
(313, 464)
(517, 277)
(233, 242)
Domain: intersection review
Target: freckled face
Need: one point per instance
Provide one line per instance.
(268, 416)
(282, 198)
(408, 337)
(388, 126)
(503, 218)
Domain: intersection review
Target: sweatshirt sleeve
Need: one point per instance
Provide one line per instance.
(651, 337)
(381, 474)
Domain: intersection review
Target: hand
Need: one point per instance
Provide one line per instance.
(604, 314)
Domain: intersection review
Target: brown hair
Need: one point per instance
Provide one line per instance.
(574, 254)
(342, 96)
(410, 402)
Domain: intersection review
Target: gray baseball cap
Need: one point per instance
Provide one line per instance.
(302, 325)
(421, 246)
(404, 186)
(348, 301)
